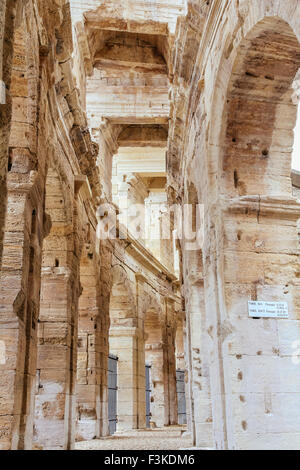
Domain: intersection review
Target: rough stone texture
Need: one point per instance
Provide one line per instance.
(231, 138)
(96, 92)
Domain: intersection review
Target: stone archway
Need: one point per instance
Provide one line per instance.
(260, 113)
(253, 262)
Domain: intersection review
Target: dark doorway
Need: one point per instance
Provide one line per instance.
(180, 384)
(112, 393)
(148, 395)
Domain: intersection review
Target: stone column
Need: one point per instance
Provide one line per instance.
(179, 343)
(155, 355)
(57, 359)
(8, 23)
(19, 300)
(125, 343)
(171, 410)
(141, 373)
(105, 253)
(200, 411)
(89, 362)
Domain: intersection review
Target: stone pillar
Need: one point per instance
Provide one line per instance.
(261, 253)
(171, 410)
(8, 23)
(89, 362)
(57, 359)
(179, 343)
(156, 357)
(125, 343)
(141, 373)
(104, 348)
(198, 387)
(19, 299)
(105, 252)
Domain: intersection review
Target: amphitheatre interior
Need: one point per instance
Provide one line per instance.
(148, 201)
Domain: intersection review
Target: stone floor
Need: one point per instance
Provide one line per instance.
(169, 438)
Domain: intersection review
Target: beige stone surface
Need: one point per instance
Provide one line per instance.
(164, 439)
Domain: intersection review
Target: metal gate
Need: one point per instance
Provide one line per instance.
(148, 395)
(112, 393)
(180, 384)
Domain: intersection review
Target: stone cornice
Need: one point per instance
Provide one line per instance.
(288, 208)
(140, 253)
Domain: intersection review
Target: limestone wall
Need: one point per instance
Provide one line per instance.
(231, 135)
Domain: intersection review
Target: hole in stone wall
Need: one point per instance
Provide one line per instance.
(244, 425)
(33, 221)
(31, 262)
(265, 153)
(236, 179)
(9, 167)
(56, 263)
(252, 74)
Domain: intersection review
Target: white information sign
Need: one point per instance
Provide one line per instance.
(268, 309)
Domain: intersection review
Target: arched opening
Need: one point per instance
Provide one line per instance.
(260, 241)
(261, 115)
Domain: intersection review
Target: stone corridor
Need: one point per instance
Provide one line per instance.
(149, 224)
